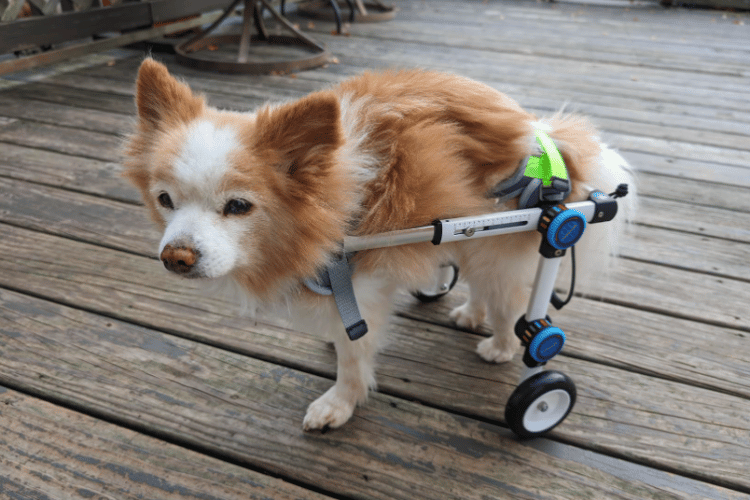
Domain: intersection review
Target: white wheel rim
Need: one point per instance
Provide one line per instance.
(546, 411)
(442, 282)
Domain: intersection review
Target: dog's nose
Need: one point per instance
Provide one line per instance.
(179, 260)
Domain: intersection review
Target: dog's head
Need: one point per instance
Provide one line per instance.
(253, 196)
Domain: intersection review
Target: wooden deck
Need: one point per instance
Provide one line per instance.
(116, 383)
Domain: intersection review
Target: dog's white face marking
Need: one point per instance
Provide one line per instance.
(204, 158)
(196, 219)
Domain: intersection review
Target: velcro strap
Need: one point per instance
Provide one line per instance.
(336, 279)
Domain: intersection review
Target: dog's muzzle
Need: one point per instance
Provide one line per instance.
(179, 259)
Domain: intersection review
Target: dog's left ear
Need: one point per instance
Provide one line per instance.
(161, 99)
(304, 133)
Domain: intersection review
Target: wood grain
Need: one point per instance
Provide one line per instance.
(452, 377)
(50, 452)
(249, 411)
(148, 375)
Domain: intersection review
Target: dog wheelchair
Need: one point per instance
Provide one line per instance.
(542, 399)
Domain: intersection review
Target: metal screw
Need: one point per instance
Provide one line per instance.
(469, 231)
(558, 253)
(542, 407)
(600, 215)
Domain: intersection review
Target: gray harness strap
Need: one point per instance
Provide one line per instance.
(336, 279)
(529, 191)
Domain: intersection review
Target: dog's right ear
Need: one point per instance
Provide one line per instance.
(161, 99)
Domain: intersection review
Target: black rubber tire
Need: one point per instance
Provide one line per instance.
(430, 297)
(548, 388)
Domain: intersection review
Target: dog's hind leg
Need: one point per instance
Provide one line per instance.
(505, 307)
(499, 273)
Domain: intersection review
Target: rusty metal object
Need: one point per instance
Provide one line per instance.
(193, 52)
(363, 12)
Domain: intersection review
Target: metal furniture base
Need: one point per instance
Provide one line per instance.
(195, 52)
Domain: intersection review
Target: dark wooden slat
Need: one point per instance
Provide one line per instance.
(74, 142)
(50, 452)
(658, 160)
(625, 113)
(250, 410)
(467, 33)
(84, 174)
(616, 114)
(680, 27)
(62, 114)
(69, 26)
(425, 362)
(701, 220)
(651, 154)
(82, 98)
(167, 10)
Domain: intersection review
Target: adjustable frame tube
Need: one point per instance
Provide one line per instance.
(463, 228)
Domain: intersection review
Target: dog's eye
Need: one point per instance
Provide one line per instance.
(237, 207)
(165, 201)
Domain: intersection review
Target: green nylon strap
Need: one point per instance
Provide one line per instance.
(550, 164)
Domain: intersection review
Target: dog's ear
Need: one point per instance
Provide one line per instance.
(161, 99)
(304, 134)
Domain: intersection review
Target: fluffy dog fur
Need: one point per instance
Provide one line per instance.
(263, 199)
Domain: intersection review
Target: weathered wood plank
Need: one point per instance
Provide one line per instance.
(249, 411)
(686, 151)
(80, 174)
(644, 342)
(70, 214)
(678, 27)
(663, 104)
(618, 114)
(50, 452)
(569, 44)
(718, 257)
(660, 185)
(61, 114)
(719, 164)
(104, 147)
(88, 99)
(451, 376)
(704, 220)
(704, 172)
(70, 141)
(252, 98)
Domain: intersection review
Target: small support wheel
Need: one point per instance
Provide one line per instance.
(446, 280)
(540, 403)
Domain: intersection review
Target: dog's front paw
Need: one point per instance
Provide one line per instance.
(329, 410)
(494, 354)
(468, 316)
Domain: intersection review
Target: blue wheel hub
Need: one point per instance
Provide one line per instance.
(547, 344)
(566, 229)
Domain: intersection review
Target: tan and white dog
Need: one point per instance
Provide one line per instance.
(264, 199)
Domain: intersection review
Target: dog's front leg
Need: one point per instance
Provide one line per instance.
(355, 375)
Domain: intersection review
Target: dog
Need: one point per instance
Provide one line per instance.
(263, 200)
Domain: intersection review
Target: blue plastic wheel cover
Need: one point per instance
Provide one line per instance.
(547, 344)
(566, 229)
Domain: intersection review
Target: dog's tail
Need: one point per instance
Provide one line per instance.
(592, 165)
